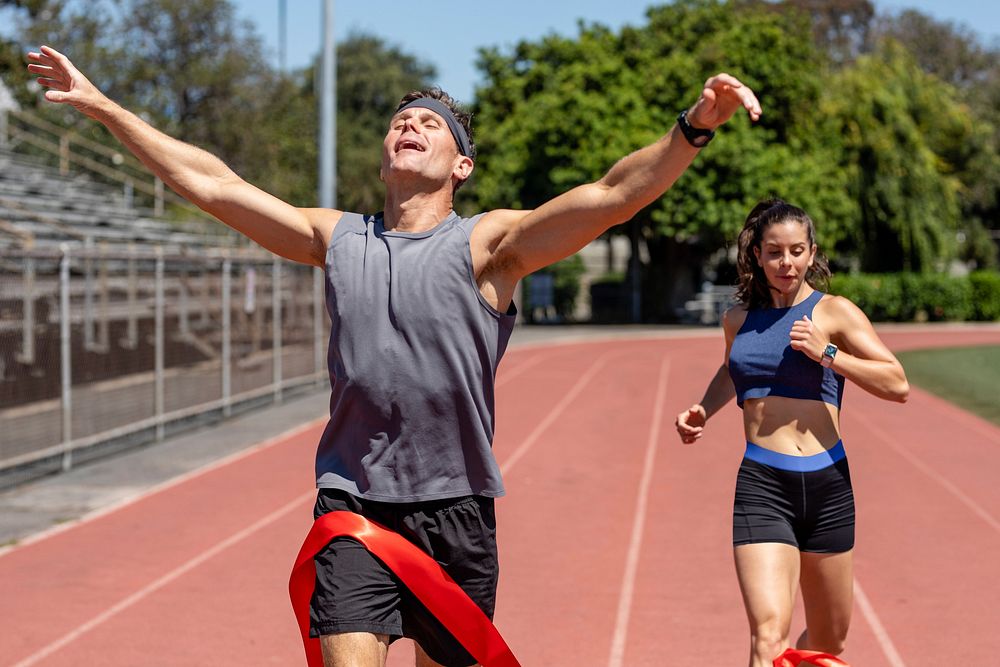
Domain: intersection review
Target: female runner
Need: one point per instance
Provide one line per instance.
(789, 348)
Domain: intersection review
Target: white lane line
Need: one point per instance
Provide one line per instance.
(638, 523)
(912, 459)
(152, 587)
(581, 383)
(163, 486)
(884, 642)
(507, 377)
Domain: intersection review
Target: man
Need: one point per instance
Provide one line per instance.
(421, 307)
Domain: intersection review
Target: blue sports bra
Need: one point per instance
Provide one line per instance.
(762, 363)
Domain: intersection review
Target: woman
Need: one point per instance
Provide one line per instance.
(789, 348)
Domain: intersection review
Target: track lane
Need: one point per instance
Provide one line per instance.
(927, 527)
(685, 596)
(54, 587)
(566, 522)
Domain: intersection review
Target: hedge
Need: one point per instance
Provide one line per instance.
(907, 297)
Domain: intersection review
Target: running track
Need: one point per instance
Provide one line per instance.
(615, 538)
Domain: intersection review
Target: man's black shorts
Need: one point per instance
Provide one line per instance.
(356, 592)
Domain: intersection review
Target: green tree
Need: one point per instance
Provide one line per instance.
(904, 133)
(846, 30)
(558, 112)
(950, 51)
(842, 29)
(187, 66)
(371, 78)
(196, 72)
(13, 72)
(957, 56)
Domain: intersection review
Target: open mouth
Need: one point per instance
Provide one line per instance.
(408, 145)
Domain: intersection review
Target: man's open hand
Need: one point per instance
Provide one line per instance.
(65, 82)
(722, 96)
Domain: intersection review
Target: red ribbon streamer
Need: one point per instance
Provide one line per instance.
(418, 571)
(794, 657)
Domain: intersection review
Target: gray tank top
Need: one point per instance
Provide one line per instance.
(414, 349)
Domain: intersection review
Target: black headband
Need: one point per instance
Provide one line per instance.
(441, 109)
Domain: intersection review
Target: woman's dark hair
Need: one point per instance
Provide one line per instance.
(753, 290)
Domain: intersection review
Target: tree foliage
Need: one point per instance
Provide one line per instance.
(886, 128)
(904, 137)
(953, 54)
(559, 112)
(371, 79)
(195, 71)
(885, 154)
(842, 29)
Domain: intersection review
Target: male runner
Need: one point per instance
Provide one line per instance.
(420, 302)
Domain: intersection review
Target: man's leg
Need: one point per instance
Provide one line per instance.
(460, 533)
(354, 649)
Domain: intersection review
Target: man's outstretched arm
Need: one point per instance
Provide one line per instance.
(297, 234)
(527, 241)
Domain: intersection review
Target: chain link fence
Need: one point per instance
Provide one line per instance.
(103, 348)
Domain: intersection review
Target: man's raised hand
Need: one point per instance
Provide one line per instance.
(65, 82)
(722, 96)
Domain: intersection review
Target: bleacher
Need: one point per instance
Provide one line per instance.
(708, 305)
(39, 206)
(125, 316)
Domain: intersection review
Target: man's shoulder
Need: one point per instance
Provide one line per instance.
(503, 216)
(489, 228)
(351, 221)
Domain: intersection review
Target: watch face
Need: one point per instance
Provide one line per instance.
(700, 141)
(830, 350)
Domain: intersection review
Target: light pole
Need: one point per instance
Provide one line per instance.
(328, 113)
(282, 34)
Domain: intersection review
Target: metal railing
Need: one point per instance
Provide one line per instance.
(105, 348)
(69, 149)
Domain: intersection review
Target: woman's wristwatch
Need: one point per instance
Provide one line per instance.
(828, 354)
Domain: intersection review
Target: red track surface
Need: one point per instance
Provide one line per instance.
(615, 538)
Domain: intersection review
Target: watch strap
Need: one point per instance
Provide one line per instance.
(696, 136)
(828, 355)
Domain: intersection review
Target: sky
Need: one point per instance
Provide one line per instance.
(448, 34)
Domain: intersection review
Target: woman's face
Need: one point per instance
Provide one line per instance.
(785, 254)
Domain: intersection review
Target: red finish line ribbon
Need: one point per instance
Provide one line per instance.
(418, 571)
(794, 657)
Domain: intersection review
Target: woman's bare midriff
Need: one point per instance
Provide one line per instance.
(791, 426)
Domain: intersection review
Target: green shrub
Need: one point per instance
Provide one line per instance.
(567, 284)
(985, 286)
(566, 276)
(880, 296)
(911, 307)
(942, 297)
(906, 297)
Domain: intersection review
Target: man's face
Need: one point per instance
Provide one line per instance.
(419, 143)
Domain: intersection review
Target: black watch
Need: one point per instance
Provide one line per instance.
(695, 136)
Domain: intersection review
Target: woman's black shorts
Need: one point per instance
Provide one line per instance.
(356, 592)
(804, 501)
